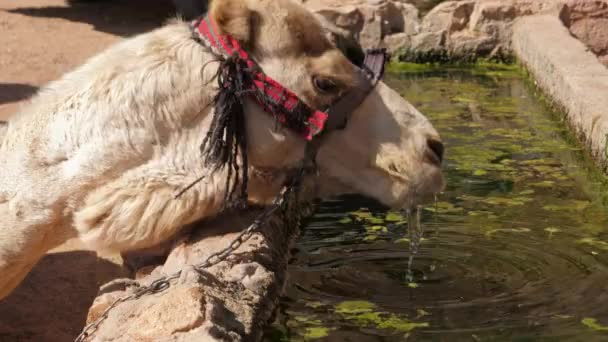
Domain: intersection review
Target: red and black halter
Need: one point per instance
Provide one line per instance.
(270, 94)
(240, 75)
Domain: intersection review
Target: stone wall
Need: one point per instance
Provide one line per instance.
(588, 21)
(460, 30)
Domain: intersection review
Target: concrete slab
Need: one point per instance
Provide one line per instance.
(570, 75)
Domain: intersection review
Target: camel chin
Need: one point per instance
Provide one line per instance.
(100, 153)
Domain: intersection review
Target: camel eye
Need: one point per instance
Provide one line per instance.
(325, 85)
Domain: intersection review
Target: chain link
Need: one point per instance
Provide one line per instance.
(163, 283)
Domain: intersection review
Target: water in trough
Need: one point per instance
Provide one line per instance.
(515, 249)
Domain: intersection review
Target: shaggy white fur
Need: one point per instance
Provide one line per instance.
(101, 152)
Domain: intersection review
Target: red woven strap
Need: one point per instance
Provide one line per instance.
(280, 95)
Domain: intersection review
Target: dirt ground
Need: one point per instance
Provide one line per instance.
(39, 41)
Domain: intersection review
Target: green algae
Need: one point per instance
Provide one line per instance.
(354, 307)
(362, 214)
(491, 232)
(594, 242)
(382, 229)
(444, 208)
(421, 313)
(364, 314)
(396, 323)
(487, 214)
(497, 201)
(314, 304)
(480, 67)
(375, 220)
(366, 216)
(552, 230)
(298, 320)
(345, 220)
(393, 217)
(405, 240)
(314, 333)
(308, 327)
(544, 184)
(593, 324)
(405, 67)
(572, 205)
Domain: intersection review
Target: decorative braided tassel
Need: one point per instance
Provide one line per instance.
(226, 139)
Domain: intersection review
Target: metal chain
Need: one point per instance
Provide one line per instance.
(164, 282)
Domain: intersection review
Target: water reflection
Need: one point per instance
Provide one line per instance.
(515, 249)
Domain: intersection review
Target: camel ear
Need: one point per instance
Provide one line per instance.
(233, 17)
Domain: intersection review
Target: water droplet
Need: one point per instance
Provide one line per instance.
(414, 228)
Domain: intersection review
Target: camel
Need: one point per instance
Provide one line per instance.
(100, 153)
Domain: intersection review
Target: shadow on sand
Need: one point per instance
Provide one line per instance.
(52, 302)
(13, 92)
(119, 17)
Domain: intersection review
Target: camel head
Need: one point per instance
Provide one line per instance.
(387, 150)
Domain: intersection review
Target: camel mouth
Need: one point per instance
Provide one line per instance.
(432, 157)
(421, 200)
(426, 189)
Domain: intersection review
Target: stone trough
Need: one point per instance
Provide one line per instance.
(571, 75)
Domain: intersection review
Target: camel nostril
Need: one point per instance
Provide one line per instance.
(437, 147)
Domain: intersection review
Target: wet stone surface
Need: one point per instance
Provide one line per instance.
(516, 248)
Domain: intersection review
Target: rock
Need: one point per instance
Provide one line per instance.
(348, 17)
(397, 42)
(230, 301)
(411, 19)
(495, 18)
(370, 21)
(252, 275)
(370, 35)
(532, 7)
(426, 47)
(398, 17)
(155, 317)
(588, 21)
(343, 40)
(488, 11)
(100, 304)
(593, 32)
(457, 28)
(448, 16)
(429, 41)
(579, 9)
(466, 45)
(604, 60)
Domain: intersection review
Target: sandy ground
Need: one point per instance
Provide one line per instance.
(39, 41)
